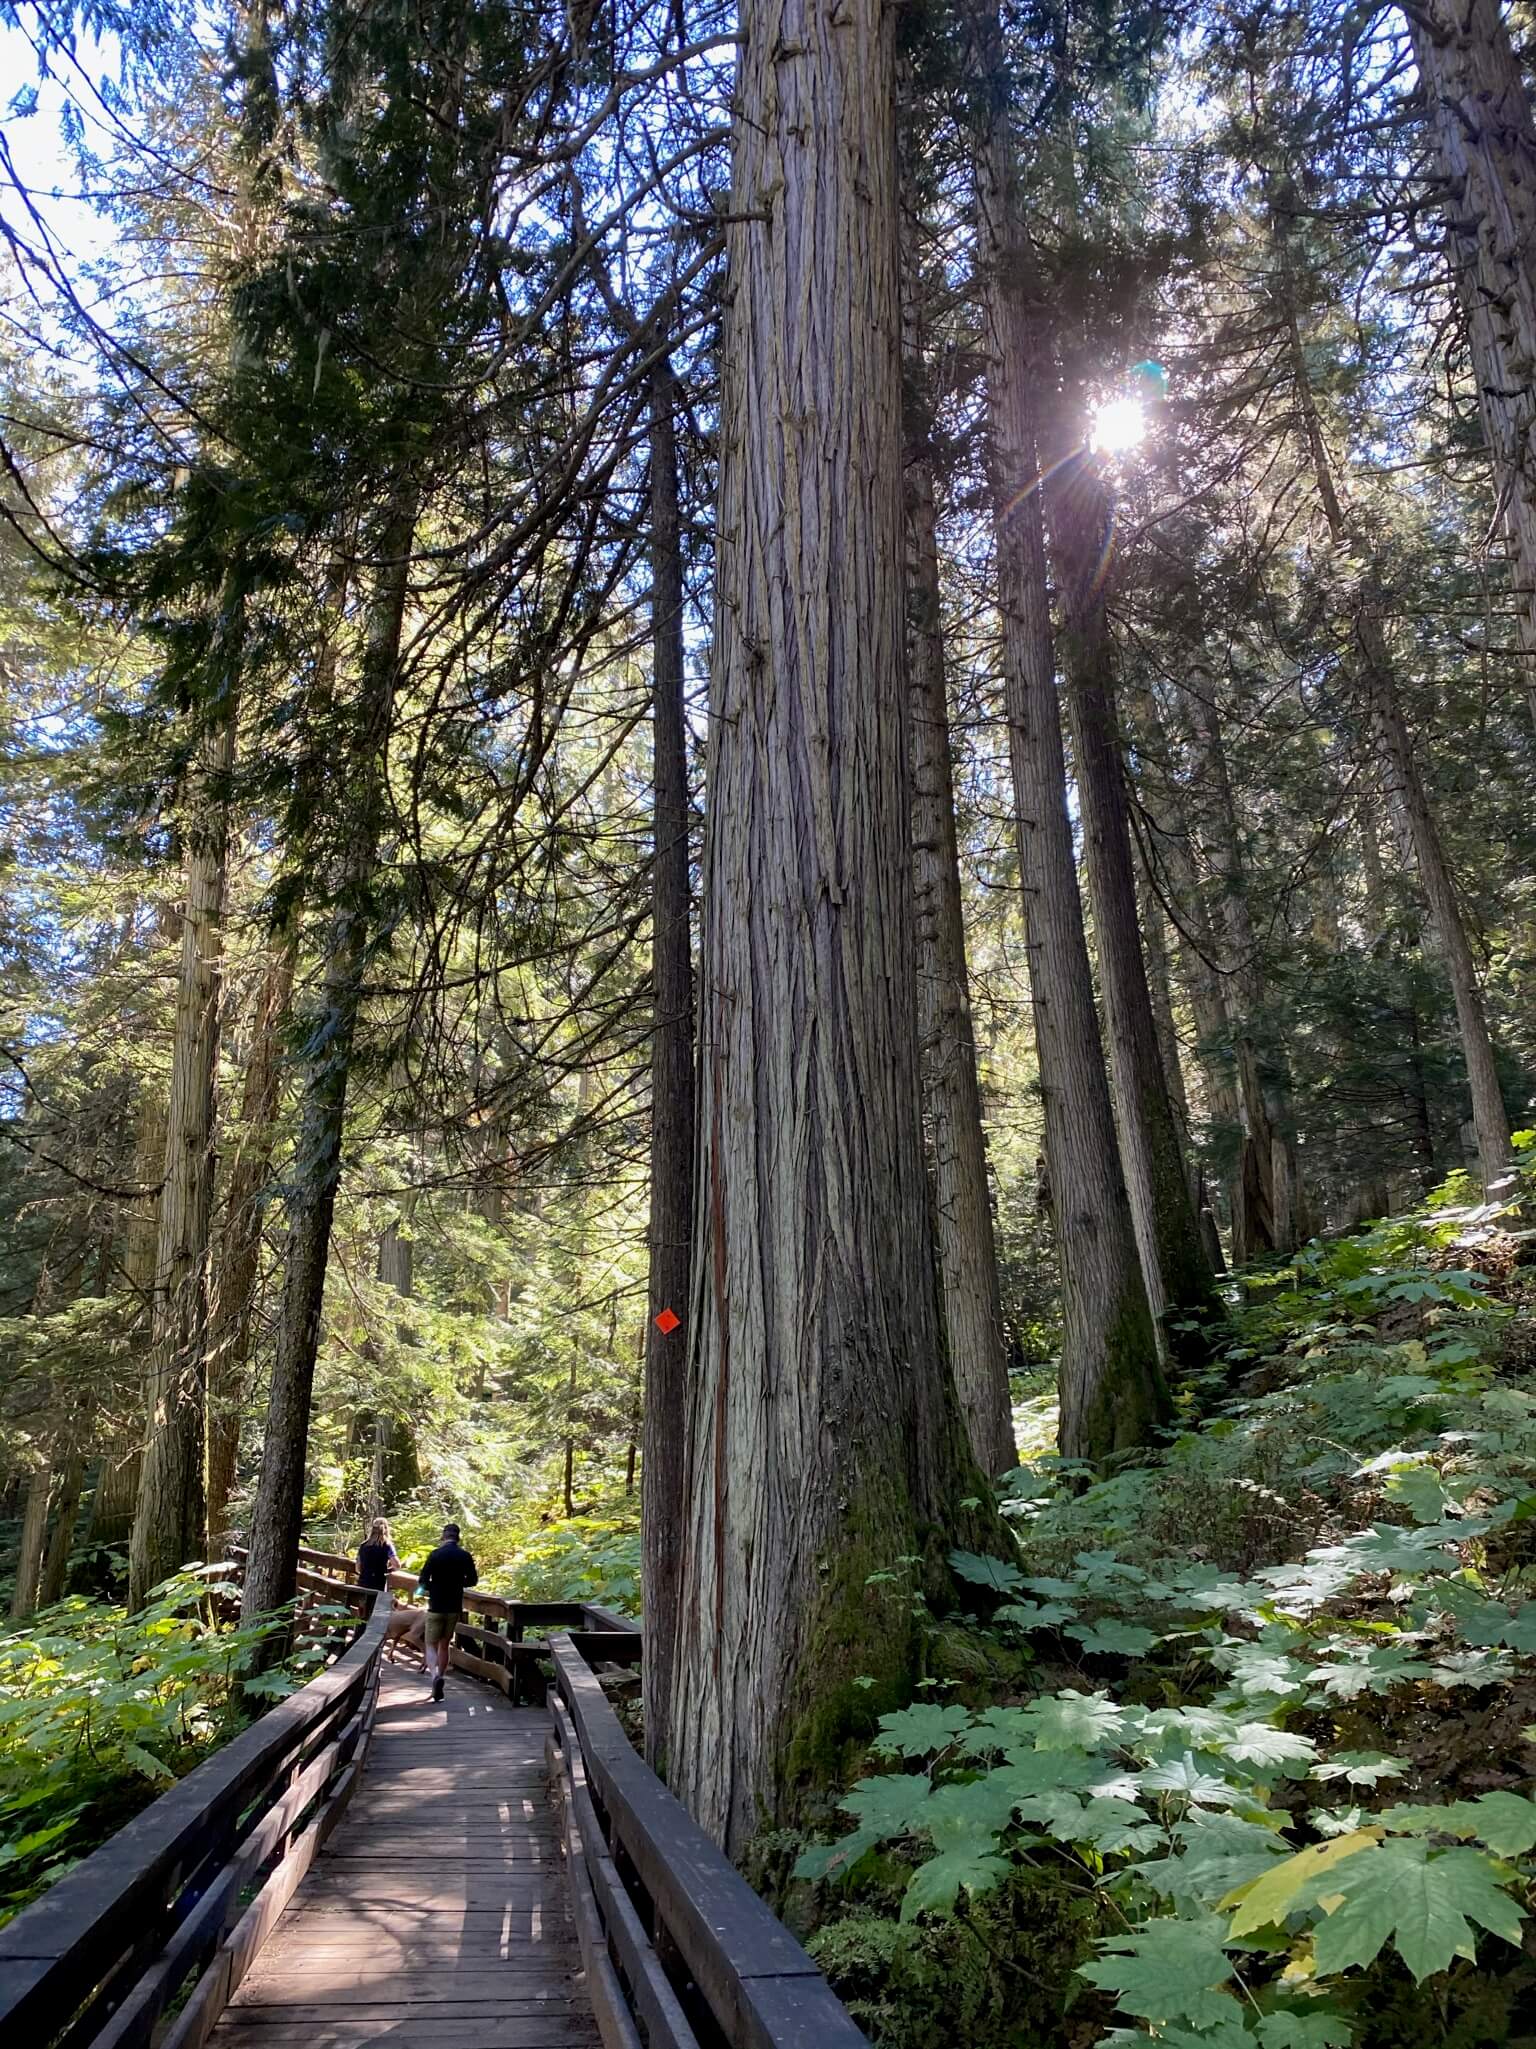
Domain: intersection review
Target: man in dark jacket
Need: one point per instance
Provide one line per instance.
(448, 1571)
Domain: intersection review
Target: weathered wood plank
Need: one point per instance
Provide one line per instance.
(439, 1903)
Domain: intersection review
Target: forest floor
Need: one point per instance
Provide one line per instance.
(1238, 1747)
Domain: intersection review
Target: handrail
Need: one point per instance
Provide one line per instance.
(492, 1641)
(659, 1907)
(97, 1959)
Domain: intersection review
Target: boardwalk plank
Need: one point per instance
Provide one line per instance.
(438, 1913)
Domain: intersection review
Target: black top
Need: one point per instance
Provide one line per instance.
(448, 1571)
(373, 1564)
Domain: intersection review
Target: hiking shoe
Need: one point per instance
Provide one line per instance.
(437, 1689)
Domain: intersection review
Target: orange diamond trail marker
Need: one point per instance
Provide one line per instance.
(667, 1322)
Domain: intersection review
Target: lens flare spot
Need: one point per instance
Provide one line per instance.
(1118, 425)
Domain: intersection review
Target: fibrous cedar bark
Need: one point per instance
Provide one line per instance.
(1180, 1285)
(824, 1441)
(170, 1519)
(1476, 98)
(972, 1299)
(1112, 1389)
(325, 1060)
(670, 1230)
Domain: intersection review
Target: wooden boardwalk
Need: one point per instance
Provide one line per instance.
(438, 1912)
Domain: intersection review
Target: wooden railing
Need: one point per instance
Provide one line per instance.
(680, 1953)
(161, 1912)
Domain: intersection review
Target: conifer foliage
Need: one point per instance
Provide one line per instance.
(750, 758)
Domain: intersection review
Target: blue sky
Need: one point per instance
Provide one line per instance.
(37, 151)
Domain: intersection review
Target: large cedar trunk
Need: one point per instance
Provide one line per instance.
(824, 1441)
(1112, 1390)
(1180, 1286)
(240, 1248)
(973, 1309)
(672, 1083)
(1477, 105)
(170, 1521)
(325, 1067)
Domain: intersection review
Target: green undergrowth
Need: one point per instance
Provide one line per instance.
(101, 1710)
(527, 1554)
(1235, 1746)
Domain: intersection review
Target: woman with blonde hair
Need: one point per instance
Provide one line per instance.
(376, 1558)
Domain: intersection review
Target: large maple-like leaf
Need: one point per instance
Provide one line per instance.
(936, 1885)
(1285, 1887)
(1424, 1902)
(995, 1573)
(1075, 1721)
(921, 1730)
(1168, 1971)
(1506, 1822)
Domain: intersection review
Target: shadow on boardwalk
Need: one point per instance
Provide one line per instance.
(438, 1912)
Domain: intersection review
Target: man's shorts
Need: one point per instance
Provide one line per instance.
(440, 1628)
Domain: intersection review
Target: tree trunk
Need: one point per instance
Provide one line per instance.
(1160, 985)
(1478, 110)
(1377, 673)
(170, 1521)
(141, 1232)
(116, 1492)
(1267, 1197)
(1490, 1118)
(1416, 1099)
(973, 1308)
(114, 1495)
(240, 1250)
(824, 1438)
(670, 1231)
(394, 1470)
(1205, 989)
(29, 1556)
(61, 1543)
(326, 1059)
(1112, 1391)
(1180, 1286)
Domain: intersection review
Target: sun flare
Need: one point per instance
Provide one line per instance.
(1118, 425)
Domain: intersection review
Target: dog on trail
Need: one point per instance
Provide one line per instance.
(406, 1629)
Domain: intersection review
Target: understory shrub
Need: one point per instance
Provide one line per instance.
(1269, 1777)
(100, 1710)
